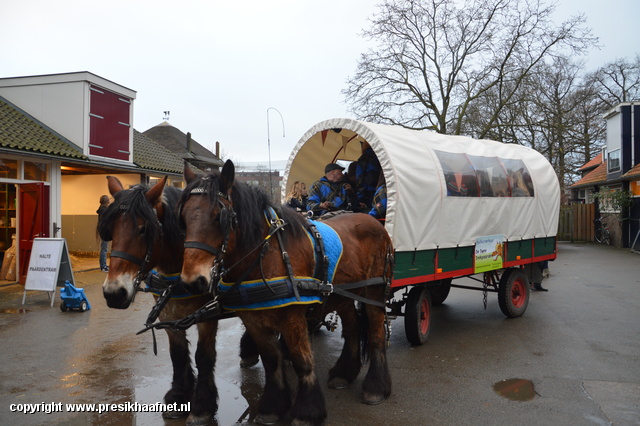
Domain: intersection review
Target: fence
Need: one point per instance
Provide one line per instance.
(576, 222)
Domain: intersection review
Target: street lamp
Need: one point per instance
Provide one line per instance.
(269, 146)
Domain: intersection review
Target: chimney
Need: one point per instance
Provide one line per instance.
(188, 142)
(217, 149)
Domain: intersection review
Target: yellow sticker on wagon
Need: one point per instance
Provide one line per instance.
(489, 253)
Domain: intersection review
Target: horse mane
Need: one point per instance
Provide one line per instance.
(133, 201)
(249, 203)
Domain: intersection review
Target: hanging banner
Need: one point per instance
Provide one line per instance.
(489, 253)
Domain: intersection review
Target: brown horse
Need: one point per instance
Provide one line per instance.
(144, 233)
(233, 229)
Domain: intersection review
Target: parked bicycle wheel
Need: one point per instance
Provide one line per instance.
(599, 235)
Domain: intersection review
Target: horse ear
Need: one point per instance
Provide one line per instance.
(153, 195)
(227, 175)
(188, 174)
(114, 185)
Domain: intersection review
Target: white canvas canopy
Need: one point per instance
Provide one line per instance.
(422, 213)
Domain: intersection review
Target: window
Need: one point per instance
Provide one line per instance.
(476, 176)
(36, 171)
(520, 183)
(492, 177)
(613, 161)
(459, 175)
(8, 168)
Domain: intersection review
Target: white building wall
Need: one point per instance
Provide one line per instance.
(61, 106)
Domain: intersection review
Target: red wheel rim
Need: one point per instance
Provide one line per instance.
(518, 294)
(424, 316)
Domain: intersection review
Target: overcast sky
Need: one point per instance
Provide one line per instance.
(218, 66)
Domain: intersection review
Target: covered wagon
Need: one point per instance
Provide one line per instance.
(456, 207)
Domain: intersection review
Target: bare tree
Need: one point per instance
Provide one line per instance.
(554, 112)
(617, 82)
(567, 120)
(437, 59)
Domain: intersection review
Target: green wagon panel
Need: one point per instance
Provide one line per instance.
(544, 246)
(453, 259)
(413, 264)
(521, 248)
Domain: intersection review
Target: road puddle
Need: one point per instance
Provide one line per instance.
(515, 389)
(14, 311)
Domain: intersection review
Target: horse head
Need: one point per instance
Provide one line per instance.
(206, 213)
(133, 224)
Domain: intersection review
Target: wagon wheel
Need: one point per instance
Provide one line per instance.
(83, 306)
(417, 318)
(513, 292)
(440, 292)
(64, 307)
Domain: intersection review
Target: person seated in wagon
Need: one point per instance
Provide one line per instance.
(329, 192)
(379, 208)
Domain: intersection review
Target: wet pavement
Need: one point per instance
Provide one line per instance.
(573, 358)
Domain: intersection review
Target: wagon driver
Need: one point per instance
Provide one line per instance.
(330, 192)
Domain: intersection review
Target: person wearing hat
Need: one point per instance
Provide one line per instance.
(329, 193)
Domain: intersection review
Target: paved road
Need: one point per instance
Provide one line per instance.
(578, 344)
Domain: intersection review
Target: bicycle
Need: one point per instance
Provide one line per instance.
(603, 236)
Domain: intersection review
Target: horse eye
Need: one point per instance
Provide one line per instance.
(142, 229)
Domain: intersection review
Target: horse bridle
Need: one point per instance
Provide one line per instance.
(142, 263)
(228, 221)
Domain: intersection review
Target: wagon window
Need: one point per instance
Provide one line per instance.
(520, 182)
(477, 176)
(459, 174)
(492, 176)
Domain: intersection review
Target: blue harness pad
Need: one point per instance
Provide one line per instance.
(332, 246)
(178, 292)
(247, 286)
(245, 296)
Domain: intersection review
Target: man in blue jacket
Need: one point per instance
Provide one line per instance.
(367, 174)
(329, 193)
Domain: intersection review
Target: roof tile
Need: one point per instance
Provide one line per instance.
(149, 154)
(633, 173)
(593, 163)
(597, 176)
(22, 132)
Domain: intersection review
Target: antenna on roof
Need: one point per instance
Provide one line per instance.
(166, 115)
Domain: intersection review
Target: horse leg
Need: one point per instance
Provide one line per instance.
(183, 376)
(348, 366)
(309, 405)
(249, 355)
(275, 400)
(204, 403)
(377, 383)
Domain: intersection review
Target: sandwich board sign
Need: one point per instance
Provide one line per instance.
(49, 266)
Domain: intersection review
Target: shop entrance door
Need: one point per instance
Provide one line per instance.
(33, 220)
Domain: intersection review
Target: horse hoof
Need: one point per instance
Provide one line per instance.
(372, 399)
(198, 420)
(266, 419)
(174, 414)
(249, 361)
(338, 383)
